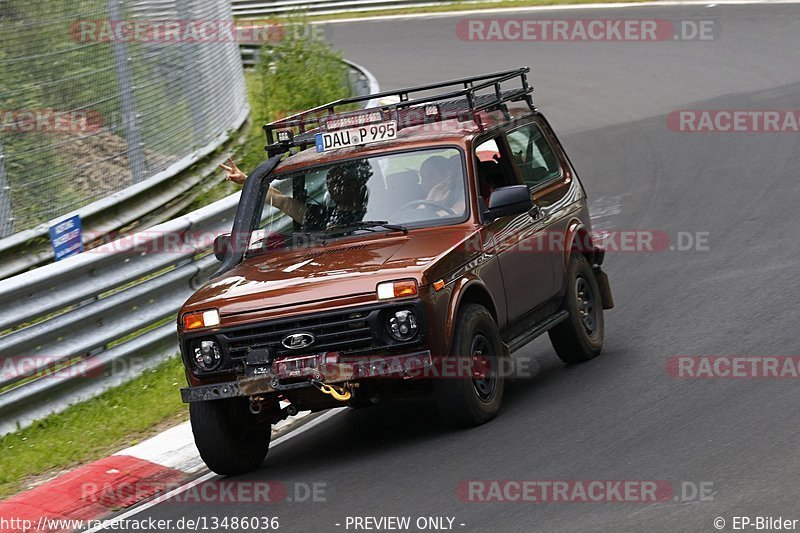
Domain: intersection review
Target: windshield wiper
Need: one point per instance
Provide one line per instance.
(370, 225)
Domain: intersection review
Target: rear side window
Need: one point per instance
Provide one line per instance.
(533, 156)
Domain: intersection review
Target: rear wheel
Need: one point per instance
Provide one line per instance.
(229, 438)
(473, 395)
(580, 337)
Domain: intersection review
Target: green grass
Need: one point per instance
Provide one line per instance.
(93, 429)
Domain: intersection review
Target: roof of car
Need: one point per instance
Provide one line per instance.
(450, 131)
(430, 114)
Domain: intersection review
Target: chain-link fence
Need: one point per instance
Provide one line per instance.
(99, 95)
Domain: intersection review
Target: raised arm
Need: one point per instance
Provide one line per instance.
(287, 204)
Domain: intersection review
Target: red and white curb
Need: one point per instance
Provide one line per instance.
(156, 466)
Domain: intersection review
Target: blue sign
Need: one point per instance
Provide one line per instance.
(65, 236)
(318, 142)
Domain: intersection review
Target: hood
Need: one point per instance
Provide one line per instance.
(344, 268)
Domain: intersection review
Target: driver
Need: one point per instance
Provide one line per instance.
(442, 183)
(347, 187)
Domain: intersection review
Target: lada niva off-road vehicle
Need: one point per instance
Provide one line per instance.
(407, 248)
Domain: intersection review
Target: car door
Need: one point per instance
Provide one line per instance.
(535, 155)
(527, 274)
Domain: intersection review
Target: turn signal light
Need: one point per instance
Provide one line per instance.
(397, 289)
(202, 319)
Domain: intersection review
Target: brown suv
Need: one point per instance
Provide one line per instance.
(408, 248)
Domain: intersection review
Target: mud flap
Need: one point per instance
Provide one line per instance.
(605, 288)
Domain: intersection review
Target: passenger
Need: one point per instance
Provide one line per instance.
(347, 187)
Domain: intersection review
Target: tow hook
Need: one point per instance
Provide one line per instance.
(255, 404)
(339, 393)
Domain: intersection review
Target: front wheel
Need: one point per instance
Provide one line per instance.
(229, 438)
(473, 395)
(580, 337)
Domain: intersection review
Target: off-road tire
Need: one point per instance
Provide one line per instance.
(458, 398)
(229, 438)
(579, 337)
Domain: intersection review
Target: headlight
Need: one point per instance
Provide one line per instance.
(403, 325)
(202, 319)
(397, 289)
(207, 355)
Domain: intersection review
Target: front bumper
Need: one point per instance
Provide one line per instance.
(301, 372)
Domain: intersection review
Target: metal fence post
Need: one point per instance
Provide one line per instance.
(122, 61)
(190, 67)
(6, 212)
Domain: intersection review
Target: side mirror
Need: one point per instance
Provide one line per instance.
(221, 246)
(509, 200)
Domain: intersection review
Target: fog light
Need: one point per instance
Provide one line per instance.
(207, 355)
(285, 136)
(403, 325)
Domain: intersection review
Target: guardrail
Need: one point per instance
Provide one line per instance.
(79, 307)
(256, 8)
(72, 329)
(31, 248)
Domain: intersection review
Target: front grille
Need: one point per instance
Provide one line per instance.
(347, 330)
(350, 332)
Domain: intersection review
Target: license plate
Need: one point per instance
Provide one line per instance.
(331, 140)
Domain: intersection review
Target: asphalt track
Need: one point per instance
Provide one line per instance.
(621, 416)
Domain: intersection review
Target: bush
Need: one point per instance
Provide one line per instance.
(299, 72)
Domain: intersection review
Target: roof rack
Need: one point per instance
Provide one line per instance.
(477, 93)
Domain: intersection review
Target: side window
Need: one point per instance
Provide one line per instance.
(494, 167)
(533, 156)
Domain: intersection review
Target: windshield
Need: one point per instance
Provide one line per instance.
(389, 192)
